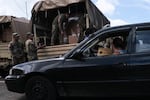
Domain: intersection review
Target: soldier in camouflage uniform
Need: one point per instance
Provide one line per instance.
(31, 48)
(58, 29)
(16, 49)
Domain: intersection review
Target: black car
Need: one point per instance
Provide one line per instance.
(90, 69)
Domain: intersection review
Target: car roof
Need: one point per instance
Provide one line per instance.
(129, 25)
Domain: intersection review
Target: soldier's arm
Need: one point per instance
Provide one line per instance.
(24, 47)
(41, 46)
(59, 23)
(10, 48)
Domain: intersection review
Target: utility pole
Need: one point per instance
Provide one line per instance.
(26, 4)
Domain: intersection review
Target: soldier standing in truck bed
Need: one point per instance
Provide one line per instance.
(58, 29)
(17, 49)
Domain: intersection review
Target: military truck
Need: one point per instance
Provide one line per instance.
(8, 25)
(84, 12)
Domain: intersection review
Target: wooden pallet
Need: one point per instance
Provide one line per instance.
(54, 51)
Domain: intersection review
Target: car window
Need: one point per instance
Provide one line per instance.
(143, 41)
(102, 45)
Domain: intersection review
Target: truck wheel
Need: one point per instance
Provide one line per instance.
(40, 88)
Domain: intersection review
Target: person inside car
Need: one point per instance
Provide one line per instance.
(118, 46)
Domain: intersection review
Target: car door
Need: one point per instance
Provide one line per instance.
(96, 76)
(140, 59)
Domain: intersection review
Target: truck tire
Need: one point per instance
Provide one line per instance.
(40, 88)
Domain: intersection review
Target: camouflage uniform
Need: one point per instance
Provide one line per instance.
(31, 50)
(57, 37)
(17, 52)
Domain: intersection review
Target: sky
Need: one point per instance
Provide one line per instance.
(17, 8)
(119, 12)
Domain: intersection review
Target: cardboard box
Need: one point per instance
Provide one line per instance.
(73, 39)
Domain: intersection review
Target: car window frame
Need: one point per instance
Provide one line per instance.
(106, 34)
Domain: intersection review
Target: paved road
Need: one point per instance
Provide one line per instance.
(7, 95)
